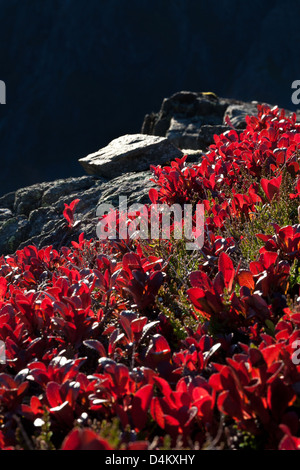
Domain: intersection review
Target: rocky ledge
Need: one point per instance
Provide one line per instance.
(185, 124)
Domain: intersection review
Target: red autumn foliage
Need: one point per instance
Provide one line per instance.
(90, 344)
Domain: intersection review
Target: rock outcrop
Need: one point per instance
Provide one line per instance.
(190, 119)
(131, 152)
(185, 124)
(34, 215)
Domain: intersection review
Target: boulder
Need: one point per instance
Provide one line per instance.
(129, 153)
(34, 215)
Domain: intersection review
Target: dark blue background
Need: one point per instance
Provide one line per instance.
(80, 73)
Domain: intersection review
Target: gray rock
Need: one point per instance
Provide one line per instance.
(12, 232)
(206, 135)
(238, 112)
(27, 199)
(183, 132)
(135, 186)
(191, 104)
(7, 200)
(65, 187)
(195, 108)
(36, 214)
(131, 152)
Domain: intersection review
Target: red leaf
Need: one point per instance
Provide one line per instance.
(229, 406)
(157, 412)
(269, 258)
(131, 261)
(195, 295)
(200, 279)
(125, 323)
(3, 287)
(165, 388)
(288, 442)
(68, 212)
(53, 394)
(84, 439)
(153, 195)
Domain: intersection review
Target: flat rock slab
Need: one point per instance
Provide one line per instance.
(130, 153)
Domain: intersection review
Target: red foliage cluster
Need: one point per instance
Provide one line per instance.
(86, 341)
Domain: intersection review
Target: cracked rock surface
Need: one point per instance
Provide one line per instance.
(34, 215)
